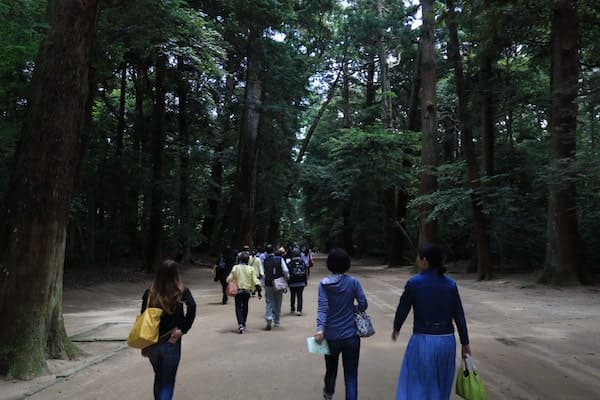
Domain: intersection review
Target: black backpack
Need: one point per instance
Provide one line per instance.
(297, 271)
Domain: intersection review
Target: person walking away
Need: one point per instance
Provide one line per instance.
(255, 263)
(275, 267)
(308, 260)
(338, 293)
(427, 371)
(222, 270)
(298, 281)
(168, 293)
(261, 254)
(247, 283)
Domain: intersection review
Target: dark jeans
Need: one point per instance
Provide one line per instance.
(241, 307)
(296, 293)
(223, 281)
(164, 358)
(350, 351)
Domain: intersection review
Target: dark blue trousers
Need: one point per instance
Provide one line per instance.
(350, 351)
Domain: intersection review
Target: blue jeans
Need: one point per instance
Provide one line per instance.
(273, 300)
(164, 358)
(350, 351)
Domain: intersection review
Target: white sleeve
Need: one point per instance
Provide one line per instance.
(284, 267)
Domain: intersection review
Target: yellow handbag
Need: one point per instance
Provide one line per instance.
(145, 329)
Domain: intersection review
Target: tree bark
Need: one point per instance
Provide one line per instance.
(480, 222)
(185, 222)
(33, 233)
(563, 194)
(154, 239)
(244, 198)
(413, 109)
(428, 232)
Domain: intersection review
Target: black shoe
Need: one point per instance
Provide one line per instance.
(269, 325)
(241, 329)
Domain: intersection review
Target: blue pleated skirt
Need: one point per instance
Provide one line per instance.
(428, 368)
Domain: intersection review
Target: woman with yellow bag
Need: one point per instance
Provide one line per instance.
(430, 359)
(168, 293)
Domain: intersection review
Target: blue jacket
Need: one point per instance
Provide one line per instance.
(436, 303)
(335, 315)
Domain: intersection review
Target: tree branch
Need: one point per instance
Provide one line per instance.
(315, 122)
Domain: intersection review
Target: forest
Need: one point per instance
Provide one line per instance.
(131, 131)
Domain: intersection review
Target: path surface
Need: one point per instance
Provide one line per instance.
(535, 343)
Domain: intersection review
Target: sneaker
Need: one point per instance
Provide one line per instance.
(327, 396)
(269, 326)
(292, 311)
(241, 329)
(277, 325)
(299, 313)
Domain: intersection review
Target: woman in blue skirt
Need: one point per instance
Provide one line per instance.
(430, 360)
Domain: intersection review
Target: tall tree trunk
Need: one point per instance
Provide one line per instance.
(121, 120)
(486, 84)
(415, 87)
(488, 134)
(395, 202)
(89, 186)
(120, 208)
(348, 230)
(185, 222)
(391, 196)
(209, 224)
(480, 223)
(154, 238)
(142, 150)
(565, 75)
(244, 198)
(33, 232)
(428, 232)
(346, 95)
(371, 90)
(386, 90)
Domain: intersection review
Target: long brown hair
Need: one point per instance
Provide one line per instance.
(167, 288)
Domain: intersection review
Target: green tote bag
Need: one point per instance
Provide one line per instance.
(469, 384)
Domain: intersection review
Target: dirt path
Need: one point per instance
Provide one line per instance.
(530, 343)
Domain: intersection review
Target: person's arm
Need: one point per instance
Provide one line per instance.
(255, 280)
(461, 324)
(361, 298)
(231, 275)
(305, 273)
(404, 306)
(145, 301)
(261, 268)
(190, 312)
(256, 283)
(323, 307)
(285, 270)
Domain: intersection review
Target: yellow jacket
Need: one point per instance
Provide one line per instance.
(245, 276)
